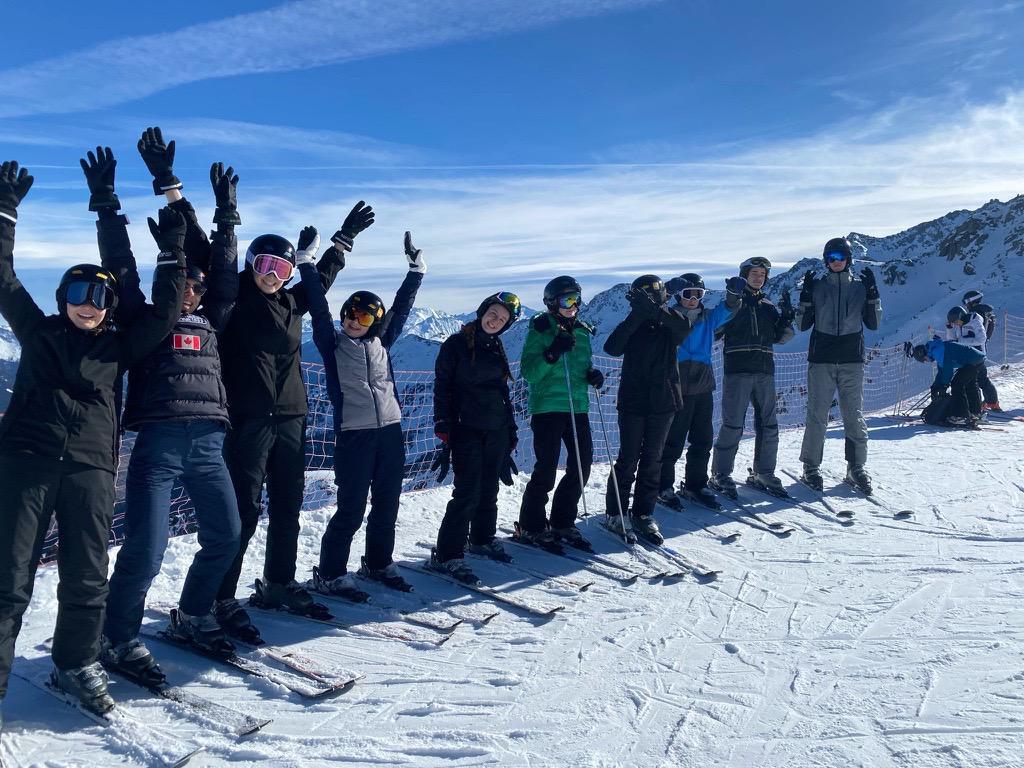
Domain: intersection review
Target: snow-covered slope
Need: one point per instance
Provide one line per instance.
(890, 643)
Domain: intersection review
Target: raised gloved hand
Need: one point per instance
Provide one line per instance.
(870, 284)
(159, 158)
(99, 175)
(358, 219)
(169, 232)
(595, 378)
(561, 344)
(309, 244)
(736, 285)
(14, 185)
(415, 256)
(786, 308)
(224, 185)
(641, 302)
(807, 290)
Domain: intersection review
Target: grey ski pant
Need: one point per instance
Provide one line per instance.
(739, 390)
(823, 381)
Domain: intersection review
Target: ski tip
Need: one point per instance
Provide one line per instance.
(252, 728)
(903, 514)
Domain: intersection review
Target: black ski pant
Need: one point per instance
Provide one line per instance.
(965, 392)
(693, 422)
(988, 389)
(32, 489)
(366, 462)
(477, 458)
(550, 431)
(641, 443)
(267, 449)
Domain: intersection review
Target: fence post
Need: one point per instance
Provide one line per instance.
(897, 407)
(1006, 321)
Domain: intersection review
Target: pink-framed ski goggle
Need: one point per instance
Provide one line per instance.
(267, 263)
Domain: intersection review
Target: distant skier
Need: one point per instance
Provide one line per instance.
(749, 362)
(474, 421)
(697, 381)
(972, 302)
(59, 436)
(649, 395)
(838, 307)
(957, 368)
(558, 338)
(369, 447)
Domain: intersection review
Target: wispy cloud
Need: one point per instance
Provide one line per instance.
(273, 40)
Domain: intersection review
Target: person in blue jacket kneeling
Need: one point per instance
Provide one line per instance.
(958, 367)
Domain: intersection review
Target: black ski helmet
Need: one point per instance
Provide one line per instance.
(958, 315)
(506, 299)
(920, 353)
(972, 297)
(652, 285)
(756, 261)
(87, 273)
(366, 302)
(838, 245)
(558, 288)
(275, 245)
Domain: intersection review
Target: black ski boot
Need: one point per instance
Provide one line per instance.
(492, 550)
(456, 568)
(388, 576)
(859, 479)
(620, 525)
(235, 621)
(201, 632)
(645, 526)
(724, 485)
(669, 498)
(291, 597)
(132, 659)
(812, 478)
(767, 482)
(572, 537)
(703, 496)
(86, 685)
(541, 539)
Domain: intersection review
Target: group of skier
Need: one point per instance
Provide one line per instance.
(216, 397)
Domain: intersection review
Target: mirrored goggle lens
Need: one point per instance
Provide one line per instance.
(835, 256)
(197, 287)
(100, 296)
(570, 301)
(692, 293)
(265, 263)
(362, 317)
(506, 297)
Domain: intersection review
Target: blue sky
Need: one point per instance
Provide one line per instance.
(519, 140)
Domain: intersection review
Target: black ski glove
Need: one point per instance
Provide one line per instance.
(641, 302)
(442, 462)
(14, 185)
(786, 308)
(807, 290)
(870, 284)
(358, 219)
(159, 158)
(562, 343)
(99, 175)
(225, 184)
(508, 469)
(169, 233)
(595, 378)
(736, 285)
(938, 392)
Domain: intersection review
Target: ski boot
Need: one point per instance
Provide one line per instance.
(615, 523)
(994, 407)
(492, 550)
(455, 568)
(86, 685)
(132, 659)
(388, 576)
(291, 597)
(645, 526)
(572, 537)
(859, 479)
(725, 485)
(669, 498)
(201, 632)
(343, 586)
(235, 621)
(541, 539)
(812, 478)
(703, 496)
(767, 482)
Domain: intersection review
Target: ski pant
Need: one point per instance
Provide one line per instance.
(988, 389)
(739, 390)
(693, 422)
(550, 431)
(477, 458)
(164, 452)
(823, 381)
(269, 449)
(964, 391)
(366, 461)
(641, 442)
(32, 489)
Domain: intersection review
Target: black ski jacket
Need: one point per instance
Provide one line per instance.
(261, 345)
(67, 389)
(751, 334)
(471, 376)
(649, 382)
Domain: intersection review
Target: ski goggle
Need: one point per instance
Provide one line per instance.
(757, 261)
(691, 293)
(835, 256)
(570, 301)
(266, 263)
(198, 287)
(97, 294)
(511, 302)
(361, 316)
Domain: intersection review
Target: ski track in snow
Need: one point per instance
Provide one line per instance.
(889, 643)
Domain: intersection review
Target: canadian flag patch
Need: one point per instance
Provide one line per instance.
(186, 341)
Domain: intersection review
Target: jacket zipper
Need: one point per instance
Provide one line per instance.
(369, 384)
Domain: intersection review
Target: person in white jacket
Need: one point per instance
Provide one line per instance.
(968, 328)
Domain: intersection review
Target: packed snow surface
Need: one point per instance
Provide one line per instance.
(887, 643)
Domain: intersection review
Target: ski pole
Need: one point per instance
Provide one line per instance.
(575, 437)
(611, 464)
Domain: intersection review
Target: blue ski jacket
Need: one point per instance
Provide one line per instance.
(949, 357)
(694, 356)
